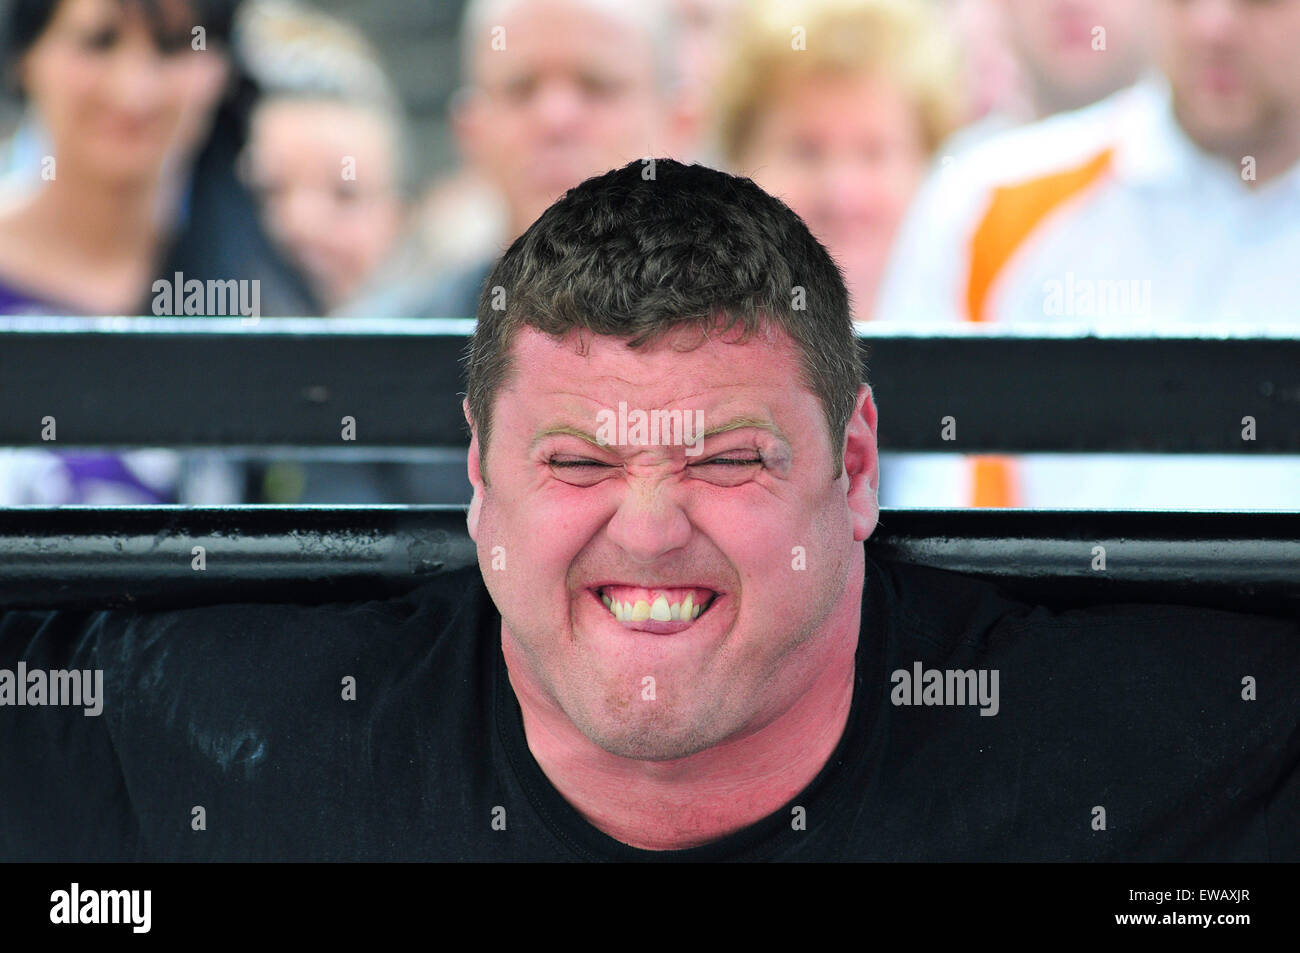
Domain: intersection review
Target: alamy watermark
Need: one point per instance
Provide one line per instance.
(932, 686)
(79, 687)
(74, 906)
(1084, 297)
(212, 298)
(653, 428)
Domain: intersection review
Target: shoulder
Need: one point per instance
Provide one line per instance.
(1013, 176)
(1035, 155)
(269, 710)
(1183, 723)
(950, 609)
(452, 294)
(941, 610)
(235, 686)
(444, 605)
(177, 647)
(1049, 146)
(1199, 635)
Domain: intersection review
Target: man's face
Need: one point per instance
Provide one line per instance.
(1079, 51)
(574, 92)
(752, 526)
(1232, 67)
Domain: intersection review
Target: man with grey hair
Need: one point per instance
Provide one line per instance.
(554, 91)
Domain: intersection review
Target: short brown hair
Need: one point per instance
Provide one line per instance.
(658, 245)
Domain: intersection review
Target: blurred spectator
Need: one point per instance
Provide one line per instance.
(460, 220)
(327, 158)
(1066, 54)
(139, 112)
(705, 30)
(991, 80)
(1072, 53)
(556, 91)
(139, 117)
(841, 120)
(138, 105)
(1175, 202)
(326, 153)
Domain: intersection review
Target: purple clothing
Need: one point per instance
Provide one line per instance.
(85, 470)
(13, 301)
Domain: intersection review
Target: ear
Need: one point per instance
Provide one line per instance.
(475, 475)
(862, 465)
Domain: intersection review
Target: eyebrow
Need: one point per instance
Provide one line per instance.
(735, 423)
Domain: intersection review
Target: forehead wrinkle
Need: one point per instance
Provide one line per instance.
(677, 398)
(632, 385)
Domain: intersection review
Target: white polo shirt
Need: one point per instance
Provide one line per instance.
(1109, 217)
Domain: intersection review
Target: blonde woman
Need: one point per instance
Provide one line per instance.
(836, 107)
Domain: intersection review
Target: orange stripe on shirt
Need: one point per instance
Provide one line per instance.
(1013, 213)
(994, 481)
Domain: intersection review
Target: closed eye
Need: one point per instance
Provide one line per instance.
(716, 461)
(576, 463)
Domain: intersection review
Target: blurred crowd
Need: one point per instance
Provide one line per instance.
(1118, 163)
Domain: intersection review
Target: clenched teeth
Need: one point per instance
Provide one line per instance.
(658, 609)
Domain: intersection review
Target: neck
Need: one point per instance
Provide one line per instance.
(671, 805)
(98, 221)
(1274, 156)
(1275, 151)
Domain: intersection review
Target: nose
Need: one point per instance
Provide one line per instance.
(136, 81)
(650, 522)
(849, 186)
(557, 106)
(301, 216)
(1210, 20)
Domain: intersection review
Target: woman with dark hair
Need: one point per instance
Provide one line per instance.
(144, 115)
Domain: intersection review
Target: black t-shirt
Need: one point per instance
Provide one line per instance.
(1121, 732)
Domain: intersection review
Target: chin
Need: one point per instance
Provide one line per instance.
(130, 170)
(1223, 137)
(658, 734)
(1220, 122)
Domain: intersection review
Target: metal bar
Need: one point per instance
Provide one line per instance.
(125, 382)
(92, 557)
